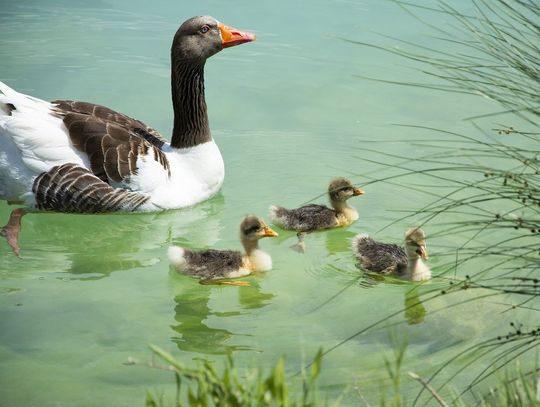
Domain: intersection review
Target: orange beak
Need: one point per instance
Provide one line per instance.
(231, 36)
(269, 232)
(358, 191)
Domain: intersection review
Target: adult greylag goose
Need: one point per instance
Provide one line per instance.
(212, 266)
(390, 259)
(70, 156)
(314, 217)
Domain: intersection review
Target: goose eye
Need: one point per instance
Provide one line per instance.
(205, 29)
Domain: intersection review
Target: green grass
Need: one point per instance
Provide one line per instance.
(514, 389)
(203, 385)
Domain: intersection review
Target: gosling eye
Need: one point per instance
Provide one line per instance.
(205, 28)
(253, 229)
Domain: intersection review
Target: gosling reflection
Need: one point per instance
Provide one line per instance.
(251, 297)
(192, 310)
(413, 308)
(415, 312)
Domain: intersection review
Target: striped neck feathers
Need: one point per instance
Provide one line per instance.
(191, 126)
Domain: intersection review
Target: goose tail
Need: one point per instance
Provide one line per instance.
(11, 100)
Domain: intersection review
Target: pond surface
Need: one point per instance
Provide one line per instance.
(289, 112)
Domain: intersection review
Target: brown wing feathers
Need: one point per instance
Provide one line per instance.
(111, 140)
(70, 188)
(110, 115)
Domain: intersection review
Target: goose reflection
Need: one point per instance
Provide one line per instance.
(192, 310)
(91, 247)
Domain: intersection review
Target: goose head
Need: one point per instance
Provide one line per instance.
(415, 244)
(342, 189)
(198, 38)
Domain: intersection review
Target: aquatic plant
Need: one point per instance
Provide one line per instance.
(203, 385)
(483, 187)
(498, 56)
(512, 387)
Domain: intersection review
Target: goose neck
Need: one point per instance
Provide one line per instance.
(190, 114)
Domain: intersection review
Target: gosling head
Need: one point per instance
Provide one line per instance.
(415, 244)
(342, 189)
(253, 228)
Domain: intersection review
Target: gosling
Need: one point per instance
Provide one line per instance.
(215, 266)
(390, 259)
(313, 217)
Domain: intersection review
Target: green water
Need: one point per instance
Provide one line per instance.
(289, 113)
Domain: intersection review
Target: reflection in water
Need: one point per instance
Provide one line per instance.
(336, 240)
(415, 311)
(116, 242)
(251, 297)
(339, 240)
(368, 280)
(413, 308)
(9, 290)
(192, 310)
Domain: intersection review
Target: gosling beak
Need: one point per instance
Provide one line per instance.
(269, 232)
(231, 36)
(422, 252)
(358, 191)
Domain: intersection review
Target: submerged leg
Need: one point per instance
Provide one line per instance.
(12, 229)
(216, 281)
(300, 246)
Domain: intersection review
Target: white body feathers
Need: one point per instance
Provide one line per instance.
(418, 271)
(260, 261)
(33, 140)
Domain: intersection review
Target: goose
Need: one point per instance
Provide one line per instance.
(314, 217)
(212, 266)
(72, 156)
(389, 259)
